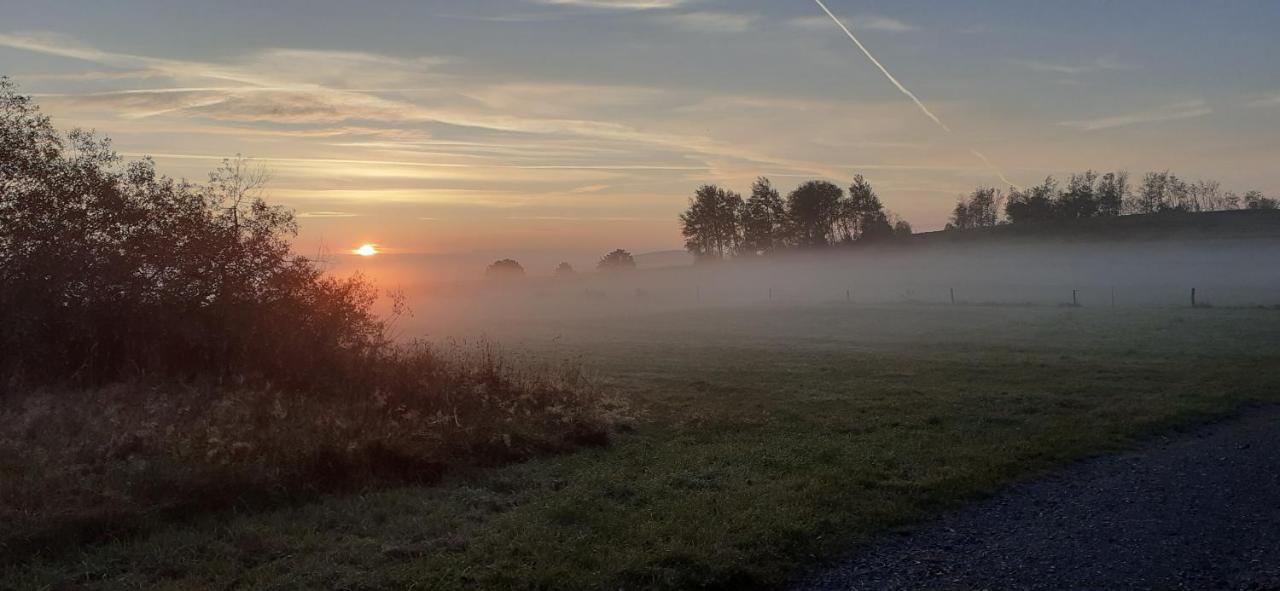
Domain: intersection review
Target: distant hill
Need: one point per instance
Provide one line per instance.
(1156, 226)
(663, 258)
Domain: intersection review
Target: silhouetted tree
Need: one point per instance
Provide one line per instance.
(1078, 200)
(861, 215)
(1207, 196)
(504, 269)
(763, 219)
(1158, 192)
(813, 209)
(710, 225)
(1089, 195)
(1112, 192)
(618, 260)
(981, 209)
(901, 228)
(1034, 204)
(1256, 200)
(1180, 197)
(565, 270)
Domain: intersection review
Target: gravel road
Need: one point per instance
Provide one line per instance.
(1200, 511)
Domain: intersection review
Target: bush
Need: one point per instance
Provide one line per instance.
(77, 464)
(108, 269)
(248, 374)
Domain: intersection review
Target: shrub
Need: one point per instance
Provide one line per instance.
(248, 374)
(109, 269)
(76, 464)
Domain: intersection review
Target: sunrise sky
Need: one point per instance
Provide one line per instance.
(583, 125)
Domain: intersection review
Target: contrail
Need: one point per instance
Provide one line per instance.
(904, 90)
(993, 168)
(882, 68)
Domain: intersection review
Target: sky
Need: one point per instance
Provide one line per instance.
(525, 126)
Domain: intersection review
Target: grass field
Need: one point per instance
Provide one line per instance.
(765, 439)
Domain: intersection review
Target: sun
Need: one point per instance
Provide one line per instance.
(366, 250)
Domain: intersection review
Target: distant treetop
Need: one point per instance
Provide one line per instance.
(505, 269)
(618, 260)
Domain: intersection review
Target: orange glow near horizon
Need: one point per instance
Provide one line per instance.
(366, 250)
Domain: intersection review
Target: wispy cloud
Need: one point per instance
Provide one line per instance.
(615, 4)
(1102, 64)
(866, 22)
(568, 218)
(589, 189)
(515, 18)
(328, 214)
(712, 22)
(1173, 112)
(260, 89)
(1272, 100)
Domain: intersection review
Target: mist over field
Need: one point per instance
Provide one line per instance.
(532, 295)
(1225, 272)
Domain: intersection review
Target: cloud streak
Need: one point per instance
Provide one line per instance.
(1102, 64)
(712, 22)
(864, 23)
(615, 4)
(1173, 112)
(1266, 101)
(305, 93)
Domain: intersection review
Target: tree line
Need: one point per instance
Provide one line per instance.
(1090, 194)
(719, 223)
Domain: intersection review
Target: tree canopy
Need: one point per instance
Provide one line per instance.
(504, 269)
(719, 223)
(618, 260)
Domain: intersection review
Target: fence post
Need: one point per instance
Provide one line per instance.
(1074, 300)
(953, 296)
(1193, 297)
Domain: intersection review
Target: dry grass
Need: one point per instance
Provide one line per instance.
(772, 437)
(80, 465)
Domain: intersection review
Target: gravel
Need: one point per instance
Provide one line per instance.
(1195, 512)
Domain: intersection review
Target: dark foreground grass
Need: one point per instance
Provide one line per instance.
(770, 438)
(81, 465)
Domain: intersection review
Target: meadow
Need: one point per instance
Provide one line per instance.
(763, 439)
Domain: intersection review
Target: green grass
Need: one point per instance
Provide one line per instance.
(767, 439)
